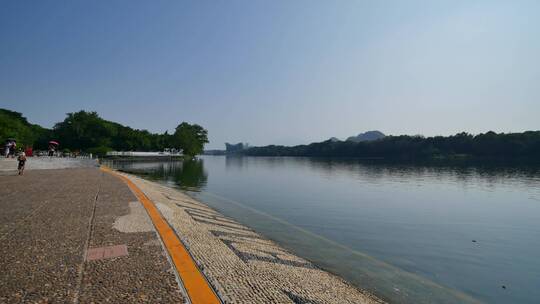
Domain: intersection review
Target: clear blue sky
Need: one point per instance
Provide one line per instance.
(276, 72)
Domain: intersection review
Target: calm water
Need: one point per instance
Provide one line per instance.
(403, 231)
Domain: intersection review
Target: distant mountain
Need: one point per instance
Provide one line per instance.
(334, 139)
(367, 136)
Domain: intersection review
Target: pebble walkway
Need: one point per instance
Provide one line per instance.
(241, 265)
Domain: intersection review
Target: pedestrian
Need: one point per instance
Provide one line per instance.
(12, 149)
(22, 162)
(6, 148)
(51, 150)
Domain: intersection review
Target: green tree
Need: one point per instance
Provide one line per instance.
(14, 125)
(86, 131)
(83, 130)
(190, 138)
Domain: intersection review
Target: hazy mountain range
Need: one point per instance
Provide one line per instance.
(367, 136)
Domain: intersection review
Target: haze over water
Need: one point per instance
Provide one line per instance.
(410, 233)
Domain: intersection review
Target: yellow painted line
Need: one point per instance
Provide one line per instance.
(198, 289)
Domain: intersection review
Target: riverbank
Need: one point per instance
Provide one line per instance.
(81, 235)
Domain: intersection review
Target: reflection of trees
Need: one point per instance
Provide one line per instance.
(379, 169)
(188, 174)
(373, 171)
(232, 161)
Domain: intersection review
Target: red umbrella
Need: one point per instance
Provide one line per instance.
(52, 142)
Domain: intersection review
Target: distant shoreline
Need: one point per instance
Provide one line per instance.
(524, 146)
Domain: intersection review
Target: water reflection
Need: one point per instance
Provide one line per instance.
(371, 171)
(187, 174)
(235, 162)
(191, 174)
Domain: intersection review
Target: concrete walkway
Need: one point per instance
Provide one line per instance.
(65, 235)
(8, 166)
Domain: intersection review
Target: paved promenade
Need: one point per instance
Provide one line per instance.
(53, 227)
(82, 235)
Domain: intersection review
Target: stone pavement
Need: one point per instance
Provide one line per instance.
(241, 265)
(51, 219)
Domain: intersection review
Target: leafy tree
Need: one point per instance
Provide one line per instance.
(86, 131)
(190, 138)
(14, 125)
(99, 151)
(83, 130)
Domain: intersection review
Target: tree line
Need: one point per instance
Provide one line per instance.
(87, 132)
(14, 125)
(461, 145)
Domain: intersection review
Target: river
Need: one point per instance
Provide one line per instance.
(410, 233)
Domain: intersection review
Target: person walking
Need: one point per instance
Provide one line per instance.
(51, 150)
(22, 162)
(53, 147)
(13, 149)
(6, 148)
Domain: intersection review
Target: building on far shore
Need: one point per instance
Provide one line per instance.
(234, 148)
(229, 149)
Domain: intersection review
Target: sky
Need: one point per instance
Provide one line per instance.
(276, 72)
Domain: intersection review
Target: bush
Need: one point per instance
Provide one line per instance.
(99, 151)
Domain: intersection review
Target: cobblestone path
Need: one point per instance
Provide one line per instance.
(241, 265)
